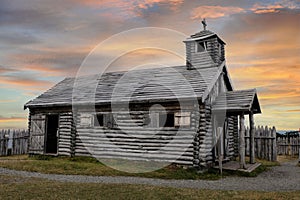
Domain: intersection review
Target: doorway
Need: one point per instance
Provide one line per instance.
(51, 131)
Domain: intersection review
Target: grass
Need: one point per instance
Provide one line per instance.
(285, 158)
(32, 188)
(91, 166)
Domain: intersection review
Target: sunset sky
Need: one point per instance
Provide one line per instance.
(41, 42)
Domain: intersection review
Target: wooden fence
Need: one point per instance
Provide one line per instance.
(265, 146)
(288, 145)
(13, 142)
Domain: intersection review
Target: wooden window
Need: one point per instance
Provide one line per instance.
(201, 46)
(166, 120)
(104, 120)
(99, 120)
(85, 120)
(182, 119)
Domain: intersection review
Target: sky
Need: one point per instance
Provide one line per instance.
(42, 42)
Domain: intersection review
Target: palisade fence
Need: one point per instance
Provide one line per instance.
(265, 146)
(13, 142)
(288, 145)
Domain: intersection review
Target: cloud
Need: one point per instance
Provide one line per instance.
(214, 11)
(17, 38)
(262, 9)
(52, 61)
(7, 100)
(11, 119)
(23, 82)
(298, 110)
(4, 69)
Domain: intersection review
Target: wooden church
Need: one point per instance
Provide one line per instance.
(187, 114)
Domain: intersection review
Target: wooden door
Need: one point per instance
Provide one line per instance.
(37, 134)
(52, 134)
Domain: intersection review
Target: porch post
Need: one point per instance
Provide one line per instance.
(242, 142)
(252, 132)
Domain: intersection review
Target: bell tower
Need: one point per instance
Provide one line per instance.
(204, 49)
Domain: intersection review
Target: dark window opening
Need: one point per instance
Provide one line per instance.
(147, 120)
(201, 46)
(104, 120)
(51, 137)
(166, 120)
(99, 120)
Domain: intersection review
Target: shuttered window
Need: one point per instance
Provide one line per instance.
(86, 120)
(182, 119)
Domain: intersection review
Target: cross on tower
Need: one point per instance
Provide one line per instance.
(204, 24)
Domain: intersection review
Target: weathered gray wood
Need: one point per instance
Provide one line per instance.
(242, 142)
(13, 142)
(252, 133)
(238, 101)
(288, 145)
(37, 134)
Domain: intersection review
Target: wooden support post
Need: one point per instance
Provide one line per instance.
(252, 132)
(242, 142)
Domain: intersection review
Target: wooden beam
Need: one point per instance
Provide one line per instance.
(252, 132)
(242, 142)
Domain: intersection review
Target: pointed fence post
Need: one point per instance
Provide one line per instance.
(242, 142)
(274, 144)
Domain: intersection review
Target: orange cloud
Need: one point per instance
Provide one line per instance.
(294, 110)
(259, 9)
(43, 68)
(132, 7)
(149, 3)
(24, 83)
(214, 11)
(7, 100)
(12, 119)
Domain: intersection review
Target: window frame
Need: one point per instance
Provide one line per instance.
(204, 46)
(182, 119)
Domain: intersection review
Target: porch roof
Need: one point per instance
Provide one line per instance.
(239, 101)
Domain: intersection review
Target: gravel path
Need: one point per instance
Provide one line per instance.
(280, 178)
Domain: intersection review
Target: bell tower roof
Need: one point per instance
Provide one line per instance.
(204, 49)
(204, 34)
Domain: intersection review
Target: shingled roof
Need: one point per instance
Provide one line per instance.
(238, 101)
(204, 34)
(168, 84)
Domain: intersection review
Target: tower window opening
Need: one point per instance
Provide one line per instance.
(201, 46)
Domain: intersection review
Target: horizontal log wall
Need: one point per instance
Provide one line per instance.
(132, 140)
(65, 134)
(232, 138)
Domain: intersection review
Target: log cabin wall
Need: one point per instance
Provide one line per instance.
(215, 52)
(66, 129)
(232, 137)
(208, 129)
(37, 130)
(132, 139)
